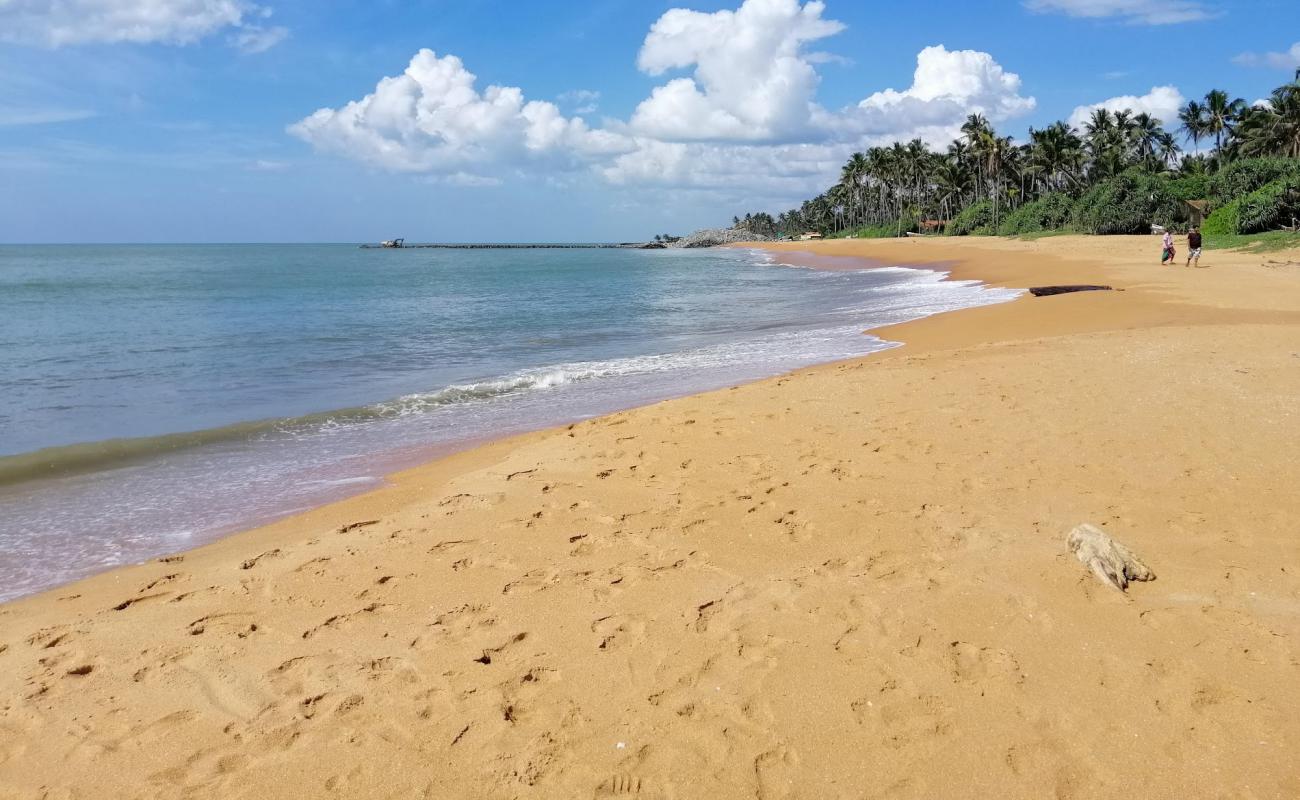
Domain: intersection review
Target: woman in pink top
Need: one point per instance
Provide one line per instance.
(1167, 255)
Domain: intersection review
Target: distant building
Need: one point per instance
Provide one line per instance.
(809, 236)
(1196, 211)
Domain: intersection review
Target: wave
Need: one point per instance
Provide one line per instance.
(879, 305)
(75, 459)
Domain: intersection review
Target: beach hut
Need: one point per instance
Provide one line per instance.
(809, 236)
(1197, 211)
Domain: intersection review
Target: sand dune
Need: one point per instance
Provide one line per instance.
(847, 582)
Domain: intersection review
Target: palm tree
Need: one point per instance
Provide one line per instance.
(1167, 150)
(1274, 127)
(1194, 127)
(952, 180)
(1146, 138)
(1055, 154)
(1221, 114)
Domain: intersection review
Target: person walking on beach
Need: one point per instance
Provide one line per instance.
(1167, 253)
(1194, 246)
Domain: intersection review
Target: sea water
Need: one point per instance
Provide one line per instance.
(155, 397)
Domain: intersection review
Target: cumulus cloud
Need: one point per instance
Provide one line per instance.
(1290, 59)
(1142, 12)
(787, 170)
(746, 115)
(56, 23)
(750, 78)
(1162, 102)
(431, 118)
(947, 86)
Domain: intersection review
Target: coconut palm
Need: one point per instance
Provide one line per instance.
(1055, 155)
(1273, 128)
(1221, 114)
(1192, 117)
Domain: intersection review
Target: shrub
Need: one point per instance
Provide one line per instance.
(1224, 221)
(976, 219)
(885, 231)
(1127, 203)
(1048, 213)
(1272, 203)
(1240, 178)
(1190, 187)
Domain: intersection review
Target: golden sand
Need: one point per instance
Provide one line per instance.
(848, 582)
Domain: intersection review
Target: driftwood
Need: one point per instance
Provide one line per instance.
(1046, 291)
(1109, 560)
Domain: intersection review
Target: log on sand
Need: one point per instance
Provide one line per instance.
(1109, 560)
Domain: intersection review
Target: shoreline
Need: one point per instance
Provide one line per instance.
(380, 465)
(796, 582)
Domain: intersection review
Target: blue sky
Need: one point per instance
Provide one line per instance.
(230, 120)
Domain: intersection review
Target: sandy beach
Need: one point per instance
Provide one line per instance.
(847, 582)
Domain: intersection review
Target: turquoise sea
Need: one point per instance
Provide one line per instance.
(155, 397)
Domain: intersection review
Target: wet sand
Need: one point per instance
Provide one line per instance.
(851, 581)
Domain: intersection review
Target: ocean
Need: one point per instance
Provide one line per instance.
(155, 397)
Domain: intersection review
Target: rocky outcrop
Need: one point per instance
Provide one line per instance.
(712, 237)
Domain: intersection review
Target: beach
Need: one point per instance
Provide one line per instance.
(848, 581)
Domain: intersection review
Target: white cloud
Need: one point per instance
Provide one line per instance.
(947, 86)
(58, 23)
(1289, 59)
(1143, 12)
(1162, 102)
(750, 80)
(791, 168)
(746, 117)
(467, 180)
(432, 119)
(257, 39)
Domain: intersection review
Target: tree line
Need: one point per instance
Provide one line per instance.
(1118, 174)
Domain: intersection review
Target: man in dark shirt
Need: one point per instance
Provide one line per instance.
(1194, 247)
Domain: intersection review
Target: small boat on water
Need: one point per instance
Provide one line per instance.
(393, 243)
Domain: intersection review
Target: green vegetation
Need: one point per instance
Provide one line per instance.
(1127, 203)
(871, 232)
(1254, 242)
(1224, 221)
(1048, 213)
(1273, 204)
(1122, 173)
(974, 220)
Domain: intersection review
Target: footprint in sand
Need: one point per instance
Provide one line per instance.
(621, 785)
(776, 773)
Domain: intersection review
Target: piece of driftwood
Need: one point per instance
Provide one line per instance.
(1109, 560)
(1047, 291)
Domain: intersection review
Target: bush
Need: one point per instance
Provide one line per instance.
(1224, 221)
(1271, 204)
(1128, 203)
(1048, 213)
(1190, 187)
(1240, 178)
(888, 230)
(975, 219)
